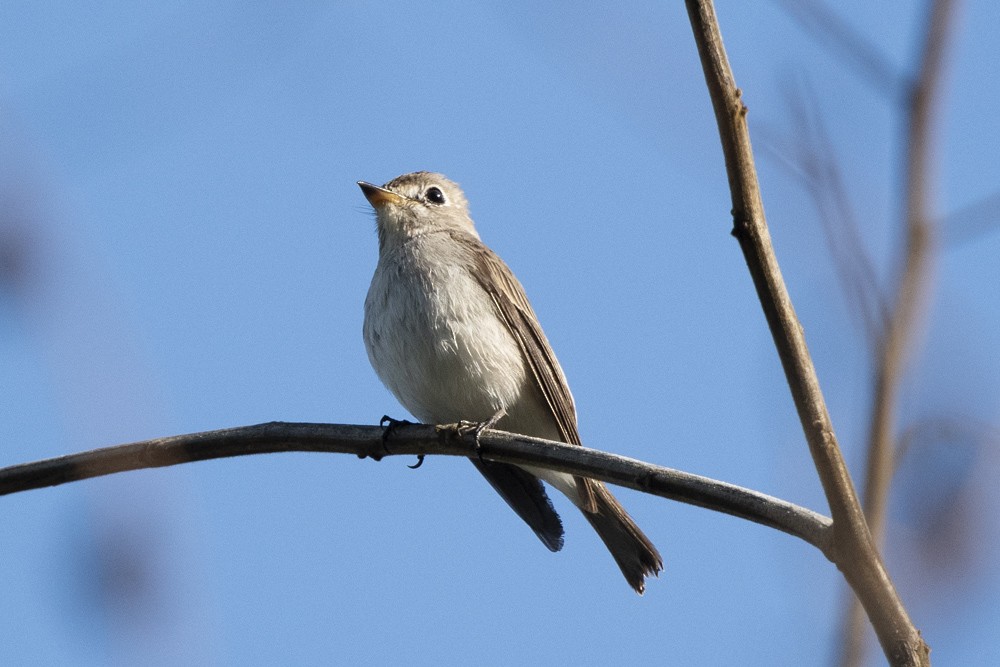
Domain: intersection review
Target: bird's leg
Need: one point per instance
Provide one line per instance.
(477, 428)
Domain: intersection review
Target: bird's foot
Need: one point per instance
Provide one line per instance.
(389, 425)
(464, 428)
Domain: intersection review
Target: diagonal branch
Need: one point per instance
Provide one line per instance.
(420, 439)
(854, 550)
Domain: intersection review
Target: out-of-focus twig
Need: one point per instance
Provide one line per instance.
(942, 429)
(842, 229)
(814, 163)
(911, 295)
(849, 45)
(970, 222)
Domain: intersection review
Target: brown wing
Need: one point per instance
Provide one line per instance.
(635, 554)
(512, 305)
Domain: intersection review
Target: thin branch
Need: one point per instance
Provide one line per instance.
(911, 297)
(418, 440)
(854, 550)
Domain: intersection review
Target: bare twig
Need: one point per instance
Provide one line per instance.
(419, 439)
(854, 551)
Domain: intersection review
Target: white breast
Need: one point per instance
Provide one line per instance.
(435, 337)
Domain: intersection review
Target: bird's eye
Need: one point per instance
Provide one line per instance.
(434, 195)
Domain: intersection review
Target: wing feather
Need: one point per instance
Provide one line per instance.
(513, 306)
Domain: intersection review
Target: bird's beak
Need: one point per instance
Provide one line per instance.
(379, 197)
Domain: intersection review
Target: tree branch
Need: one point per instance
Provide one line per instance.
(421, 439)
(854, 551)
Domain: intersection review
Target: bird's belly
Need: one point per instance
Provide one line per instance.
(445, 354)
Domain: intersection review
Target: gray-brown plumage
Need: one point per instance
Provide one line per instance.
(450, 332)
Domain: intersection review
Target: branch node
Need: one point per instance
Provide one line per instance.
(741, 226)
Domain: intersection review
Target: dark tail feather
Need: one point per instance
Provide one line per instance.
(526, 496)
(632, 550)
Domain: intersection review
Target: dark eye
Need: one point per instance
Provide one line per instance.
(434, 195)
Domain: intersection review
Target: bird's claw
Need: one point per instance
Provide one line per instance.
(389, 425)
(464, 428)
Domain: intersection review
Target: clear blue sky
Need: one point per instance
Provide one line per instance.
(181, 179)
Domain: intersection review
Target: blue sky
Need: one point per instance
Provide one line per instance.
(182, 181)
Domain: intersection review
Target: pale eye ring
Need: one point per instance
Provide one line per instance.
(434, 195)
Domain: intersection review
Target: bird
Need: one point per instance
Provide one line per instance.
(450, 332)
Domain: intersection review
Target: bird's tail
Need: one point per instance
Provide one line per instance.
(631, 549)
